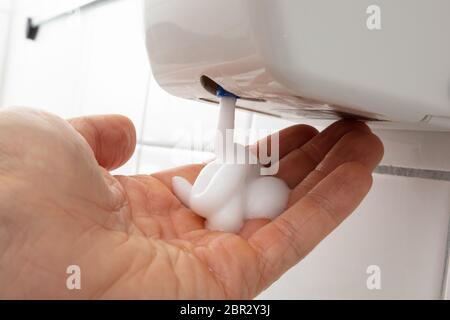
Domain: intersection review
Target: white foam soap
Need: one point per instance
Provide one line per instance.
(231, 189)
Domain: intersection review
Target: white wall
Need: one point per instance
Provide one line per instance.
(96, 63)
(5, 13)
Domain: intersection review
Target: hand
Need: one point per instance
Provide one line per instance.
(131, 236)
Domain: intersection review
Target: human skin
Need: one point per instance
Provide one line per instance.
(131, 237)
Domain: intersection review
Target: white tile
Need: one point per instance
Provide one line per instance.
(5, 5)
(117, 72)
(416, 149)
(155, 159)
(177, 122)
(4, 24)
(401, 227)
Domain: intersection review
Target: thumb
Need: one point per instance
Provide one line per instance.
(111, 137)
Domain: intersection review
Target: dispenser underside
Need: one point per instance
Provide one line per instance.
(314, 59)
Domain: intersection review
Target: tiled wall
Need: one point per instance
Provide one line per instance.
(96, 63)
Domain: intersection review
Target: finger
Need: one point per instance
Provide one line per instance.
(289, 139)
(301, 161)
(252, 226)
(283, 242)
(356, 146)
(111, 137)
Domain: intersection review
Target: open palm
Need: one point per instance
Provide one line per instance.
(130, 235)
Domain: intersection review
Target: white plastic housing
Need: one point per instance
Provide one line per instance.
(307, 58)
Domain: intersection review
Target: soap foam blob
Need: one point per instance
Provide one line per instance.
(231, 190)
(266, 198)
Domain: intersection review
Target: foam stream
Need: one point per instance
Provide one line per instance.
(231, 189)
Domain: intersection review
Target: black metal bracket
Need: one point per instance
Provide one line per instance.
(34, 26)
(32, 30)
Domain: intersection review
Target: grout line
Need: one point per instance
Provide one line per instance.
(144, 116)
(249, 128)
(413, 172)
(252, 120)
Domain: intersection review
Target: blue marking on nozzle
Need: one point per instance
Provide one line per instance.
(221, 92)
